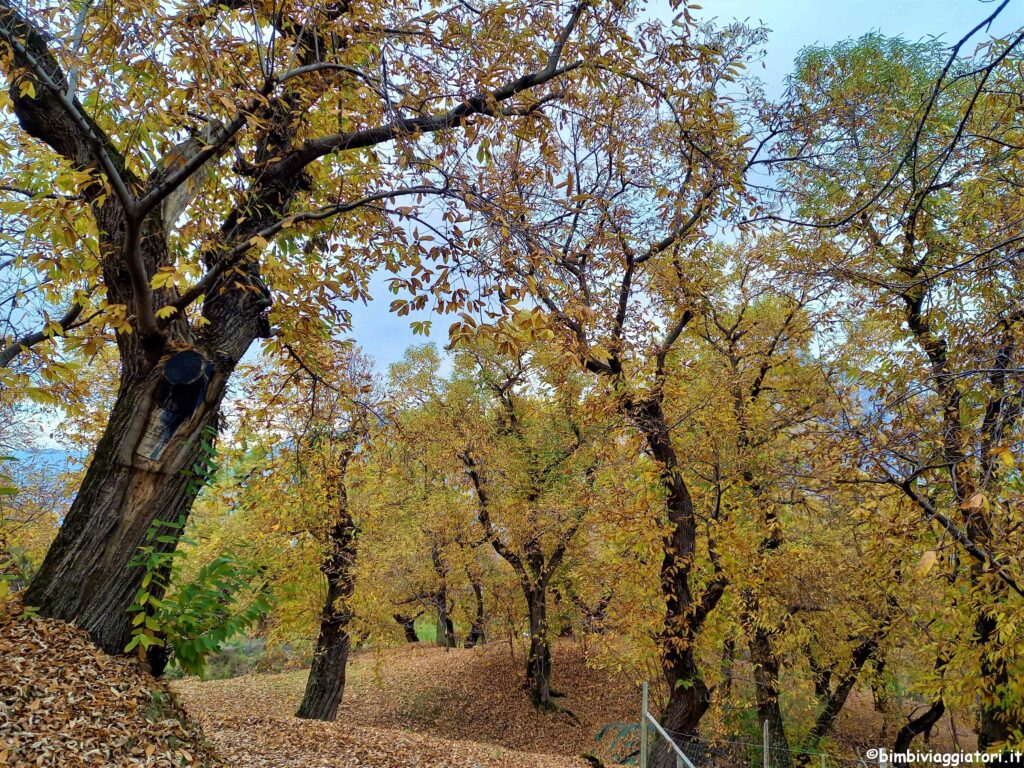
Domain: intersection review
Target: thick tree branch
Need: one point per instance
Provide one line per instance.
(485, 103)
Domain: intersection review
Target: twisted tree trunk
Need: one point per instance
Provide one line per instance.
(923, 723)
(689, 697)
(408, 627)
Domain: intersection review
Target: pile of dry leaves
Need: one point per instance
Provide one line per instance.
(63, 702)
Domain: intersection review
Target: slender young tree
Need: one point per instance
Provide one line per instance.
(322, 399)
(543, 471)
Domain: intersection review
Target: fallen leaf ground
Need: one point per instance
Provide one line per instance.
(63, 702)
(414, 705)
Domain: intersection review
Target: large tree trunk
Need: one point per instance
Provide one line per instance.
(538, 660)
(142, 471)
(325, 685)
(171, 386)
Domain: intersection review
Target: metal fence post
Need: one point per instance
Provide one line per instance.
(767, 762)
(643, 727)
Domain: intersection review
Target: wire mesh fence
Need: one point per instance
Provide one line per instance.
(724, 752)
(695, 751)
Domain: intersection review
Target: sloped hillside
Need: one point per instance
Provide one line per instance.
(63, 703)
(415, 705)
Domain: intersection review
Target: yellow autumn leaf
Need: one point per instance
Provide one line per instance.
(927, 562)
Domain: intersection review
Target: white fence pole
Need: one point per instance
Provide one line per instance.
(643, 727)
(764, 740)
(670, 742)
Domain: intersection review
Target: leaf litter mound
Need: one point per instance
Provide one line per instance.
(64, 702)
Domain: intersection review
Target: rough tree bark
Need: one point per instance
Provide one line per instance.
(173, 375)
(325, 686)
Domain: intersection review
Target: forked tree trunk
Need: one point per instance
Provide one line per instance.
(325, 686)
(534, 574)
(995, 718)
(538, 660)
(837, 697)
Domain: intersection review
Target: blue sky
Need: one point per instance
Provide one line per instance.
(794, 24)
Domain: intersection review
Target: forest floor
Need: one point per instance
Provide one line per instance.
(65, 703)
(414, 705)
(419, 705)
